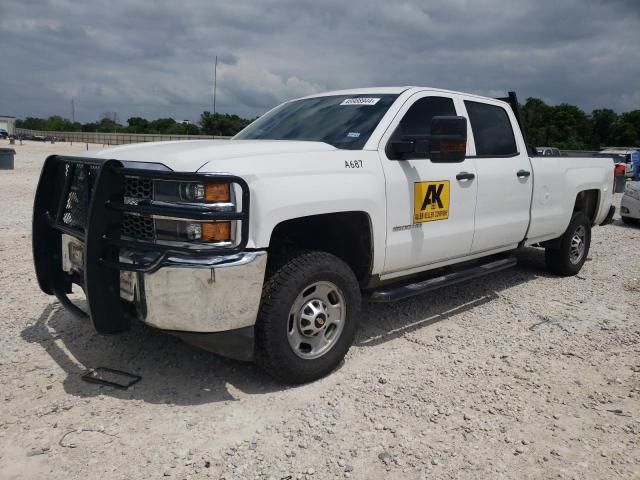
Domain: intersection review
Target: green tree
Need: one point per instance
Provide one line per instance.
(137, 125)
(222, 124)
(183, 129)
(569, 127)
(604, 121)
(632, 118)
(31, 123)
(58, 124)
(108, 125)
(625, 135)
(161, 125)
(536, 116)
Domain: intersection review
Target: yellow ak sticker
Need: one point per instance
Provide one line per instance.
(430, 201)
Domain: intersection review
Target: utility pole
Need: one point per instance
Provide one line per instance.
(215, 83)
(73, 116)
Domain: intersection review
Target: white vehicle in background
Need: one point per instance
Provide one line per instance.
(630, 203)
(624, 154)
(260, 248)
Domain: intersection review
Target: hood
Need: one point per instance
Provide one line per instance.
(191, 155)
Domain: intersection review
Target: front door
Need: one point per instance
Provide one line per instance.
(430, 206)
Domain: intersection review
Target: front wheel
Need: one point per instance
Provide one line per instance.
(574, 247)
(308, 317)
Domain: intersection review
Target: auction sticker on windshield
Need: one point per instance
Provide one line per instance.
(360, 101)
(430, 201)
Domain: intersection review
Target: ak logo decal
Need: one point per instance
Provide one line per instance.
(430, 201)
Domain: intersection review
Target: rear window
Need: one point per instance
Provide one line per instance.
(492, 130)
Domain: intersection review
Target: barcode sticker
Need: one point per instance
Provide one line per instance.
(360, 101)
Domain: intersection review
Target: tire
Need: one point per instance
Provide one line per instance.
(574, 246)
(297, 341)
(629, 220)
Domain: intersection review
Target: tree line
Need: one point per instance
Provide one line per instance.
(567, 127)
(564, 126)
(220, 124)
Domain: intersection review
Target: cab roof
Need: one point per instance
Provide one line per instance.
(393, 91)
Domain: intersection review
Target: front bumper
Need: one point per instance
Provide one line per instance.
(630, 207)
(198, 288)
(207, 295)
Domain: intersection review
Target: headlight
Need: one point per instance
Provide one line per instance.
(216, 196)
(191, 192)
(190, 230)
(169, 225)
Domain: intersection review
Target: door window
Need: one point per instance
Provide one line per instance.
(416, 123)
(492, 130)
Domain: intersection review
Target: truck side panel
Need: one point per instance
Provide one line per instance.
(557, 183)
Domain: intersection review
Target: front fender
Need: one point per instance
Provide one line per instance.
(289, 187)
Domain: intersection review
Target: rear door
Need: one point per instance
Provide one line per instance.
(430, 206)
(504, 176)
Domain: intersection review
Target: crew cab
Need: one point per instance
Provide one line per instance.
(262, 247)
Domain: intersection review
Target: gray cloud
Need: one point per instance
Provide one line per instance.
(156, 59)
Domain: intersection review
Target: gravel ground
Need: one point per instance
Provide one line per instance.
(518, 375)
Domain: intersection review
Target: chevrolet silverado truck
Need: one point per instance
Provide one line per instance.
(262, 247)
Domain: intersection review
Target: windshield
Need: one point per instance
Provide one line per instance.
(344, 121)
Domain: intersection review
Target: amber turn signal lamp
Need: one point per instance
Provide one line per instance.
(446, 146)
(216, 231)
(217, 192)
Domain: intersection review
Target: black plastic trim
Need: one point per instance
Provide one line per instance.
(238, 344)
(393, 293)
(511, 155)
(609, 218)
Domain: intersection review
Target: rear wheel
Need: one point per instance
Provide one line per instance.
(308, 317)
(574, 247)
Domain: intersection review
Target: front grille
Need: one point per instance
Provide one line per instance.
(136, 188)
(136, 226)
(80, 179)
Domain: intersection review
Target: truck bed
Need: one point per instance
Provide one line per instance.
(557, 182)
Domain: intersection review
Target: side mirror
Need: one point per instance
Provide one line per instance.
(448, 139)
(402, 147)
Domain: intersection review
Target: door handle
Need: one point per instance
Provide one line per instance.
(465, 176)
(523, 173)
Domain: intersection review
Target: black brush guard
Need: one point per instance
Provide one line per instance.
(96, 186)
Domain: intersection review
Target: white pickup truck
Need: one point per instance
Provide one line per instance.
(260, 248)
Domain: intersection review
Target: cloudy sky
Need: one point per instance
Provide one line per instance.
(154, 58)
